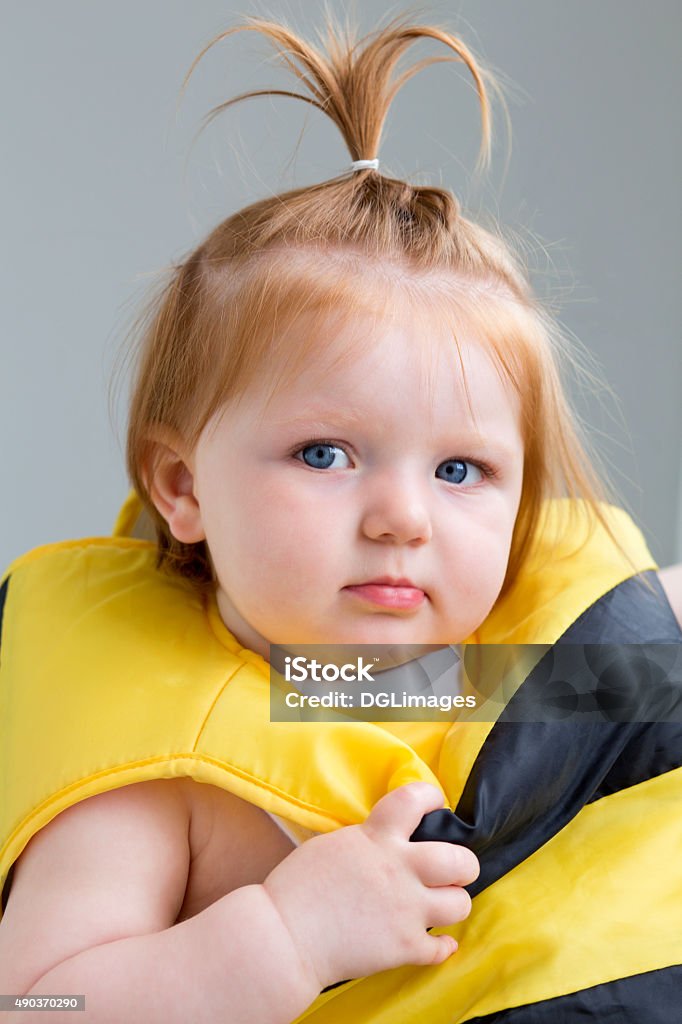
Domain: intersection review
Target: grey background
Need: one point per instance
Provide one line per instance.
(102, 187)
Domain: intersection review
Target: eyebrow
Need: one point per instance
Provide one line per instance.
(316, 421)
(322, 418)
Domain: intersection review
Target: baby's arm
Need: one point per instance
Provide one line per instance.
(96, 893)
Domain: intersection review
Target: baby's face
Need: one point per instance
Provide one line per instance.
(355, 506)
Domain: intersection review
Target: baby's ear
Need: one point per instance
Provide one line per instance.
(170, 482)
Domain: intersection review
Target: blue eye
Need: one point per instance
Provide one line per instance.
(456, 471)
(323, 456)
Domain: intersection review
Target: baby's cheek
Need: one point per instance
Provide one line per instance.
(307, 535)
(276, 565)
(480, 574)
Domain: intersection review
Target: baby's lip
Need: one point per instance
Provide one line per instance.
(392, 593)
(388, 581)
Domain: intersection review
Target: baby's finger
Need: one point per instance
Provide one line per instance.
(445, 864)
(434, 949)
(447, 905)
(401, 810)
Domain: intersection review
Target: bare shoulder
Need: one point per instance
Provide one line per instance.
(112, 866)
(671, 580)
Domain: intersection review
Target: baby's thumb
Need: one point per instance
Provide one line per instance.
(401, 810)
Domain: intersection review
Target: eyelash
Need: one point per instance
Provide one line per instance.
(488, 471)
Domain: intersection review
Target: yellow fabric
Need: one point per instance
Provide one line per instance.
(115, 673)
(128, 515)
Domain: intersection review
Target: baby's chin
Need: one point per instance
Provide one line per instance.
(376, 629)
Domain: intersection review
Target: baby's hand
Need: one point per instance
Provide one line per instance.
(359, 900)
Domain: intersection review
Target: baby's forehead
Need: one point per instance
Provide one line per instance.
(337, 358)
(406, 372)
(327, 329)
(327, 344)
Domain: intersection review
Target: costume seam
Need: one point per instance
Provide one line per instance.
(651, 780)
(119, 769)
(215, 700)
(84, 542)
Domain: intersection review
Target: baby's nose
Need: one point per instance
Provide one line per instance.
(397, 513)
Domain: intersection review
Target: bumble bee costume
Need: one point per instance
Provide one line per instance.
(112, 673)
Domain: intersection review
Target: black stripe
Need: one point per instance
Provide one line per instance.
(8, 881)
(628, 614)
(3, 596)
(532, 777)
(651, 998)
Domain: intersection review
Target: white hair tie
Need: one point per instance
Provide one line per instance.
(360, 165)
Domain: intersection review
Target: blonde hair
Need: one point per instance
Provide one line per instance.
(222, 313)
